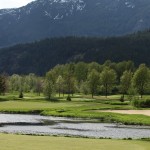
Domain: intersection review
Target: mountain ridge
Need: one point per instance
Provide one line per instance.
(53, 18)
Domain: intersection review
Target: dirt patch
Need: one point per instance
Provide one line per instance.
(141, 112)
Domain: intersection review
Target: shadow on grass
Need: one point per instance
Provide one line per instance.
(3, 99)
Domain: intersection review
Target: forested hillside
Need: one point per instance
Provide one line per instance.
(39, 57)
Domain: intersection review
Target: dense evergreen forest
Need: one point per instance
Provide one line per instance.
(86, 78)
(40, 56)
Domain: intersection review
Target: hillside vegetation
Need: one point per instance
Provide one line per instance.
(39, 57)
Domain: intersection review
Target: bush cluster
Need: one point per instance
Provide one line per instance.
(142, 103)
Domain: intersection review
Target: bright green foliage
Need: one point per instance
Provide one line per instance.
(81, 71)
(84, 87)
(94, 65)
(60, 84)
(21, 86)
(30, 82)
(141, 79)
(125, 82)
(132, 93)
(39, 85)
(93, 81)
(72, 77)
(14, 81)
(69, 79)
(49, 85)
(108, 79)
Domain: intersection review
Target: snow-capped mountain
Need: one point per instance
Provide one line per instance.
(53, 18)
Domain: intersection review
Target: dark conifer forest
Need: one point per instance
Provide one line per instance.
(40, 56)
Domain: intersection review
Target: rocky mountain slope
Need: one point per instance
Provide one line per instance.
(54, 18)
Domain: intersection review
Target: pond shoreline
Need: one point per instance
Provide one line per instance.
(72, 127)
(102, 117)
(80, 137)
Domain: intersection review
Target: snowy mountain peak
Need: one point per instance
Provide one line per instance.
(54, 9)
(53, 18)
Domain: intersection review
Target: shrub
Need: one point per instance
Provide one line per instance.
(135, 103)
(145, 103)
(68, 98)
(121, 98)
(119, 103)
(142, 103)
(20, 95)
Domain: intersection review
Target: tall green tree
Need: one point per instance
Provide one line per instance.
(14, 82)
(30, 82)
(39, 85)
(94, 65)
(84, 87)
(108, 79)
(81, 71)
(125, 82)
(21, 86)
(69, 78)
(141, 79)
(123, 66)
(93, 81)
(49, 87)
(60, 84)
(3, 85)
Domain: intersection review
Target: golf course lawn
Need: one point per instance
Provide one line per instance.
(24, 142)
(81, 106)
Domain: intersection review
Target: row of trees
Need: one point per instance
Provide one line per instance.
(88, 78)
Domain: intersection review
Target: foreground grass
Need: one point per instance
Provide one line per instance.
(83, 107)
(24, 142)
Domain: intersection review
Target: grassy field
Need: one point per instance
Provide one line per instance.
(24, 142)
(80, 106)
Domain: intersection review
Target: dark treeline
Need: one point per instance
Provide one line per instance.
(39, 57)
(86, 78)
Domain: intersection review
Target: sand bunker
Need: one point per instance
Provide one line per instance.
(141, 112)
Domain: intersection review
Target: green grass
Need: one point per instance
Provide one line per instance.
(24, 142)
(80, 106)
(102, 116)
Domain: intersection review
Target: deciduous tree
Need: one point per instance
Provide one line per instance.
(125, 82)
(93, 81)
(108, 79)
(141, 79)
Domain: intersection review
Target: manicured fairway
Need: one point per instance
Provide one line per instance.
(79, 107)
(31, 105)
(23, 142)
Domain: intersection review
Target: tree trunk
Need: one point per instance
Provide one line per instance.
(63, 92)
(49, 97)
(123, 96)
(106, 91)
(59, 92)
